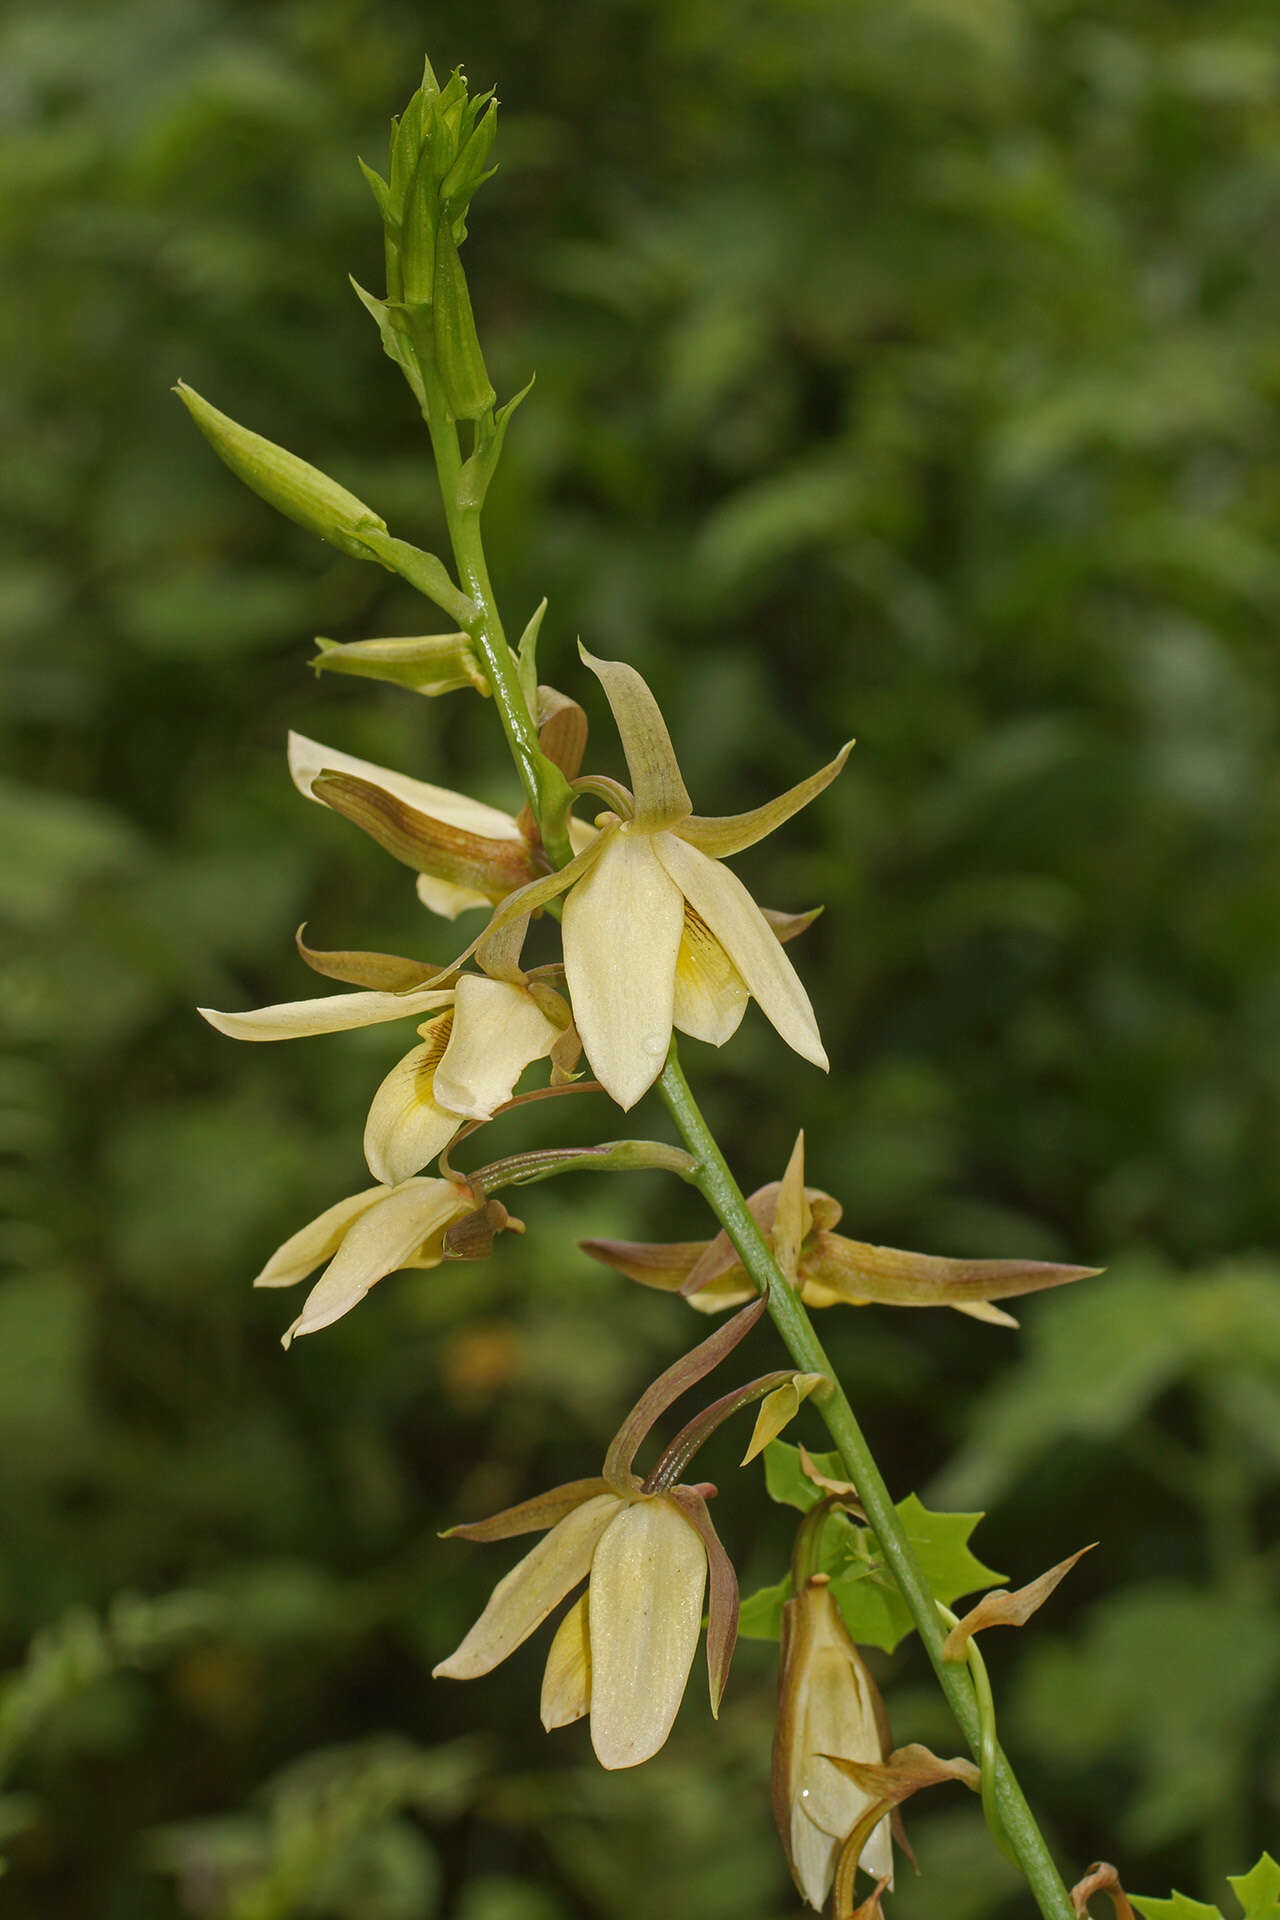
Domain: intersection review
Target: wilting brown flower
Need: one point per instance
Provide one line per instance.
(829, 1269)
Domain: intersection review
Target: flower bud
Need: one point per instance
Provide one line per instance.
(459, 361)
(440, 148)
(827, 1707)
(427, 663)
(290, 485)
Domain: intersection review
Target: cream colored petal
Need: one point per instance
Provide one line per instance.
(836, 1714)
(813, 1857)
(711, 995)
(983, 1310)
(318, 1241)
(524, 1597)
(838, 1720)
(377, 1244)
(446, 898)
(732, 832)
(720, 898)
(877, 1855)
(332, 1013)
(647, 1583)
(661, 796)
(621, 931)
(407, 1125)
(498, 1029)
(307, 758)
(566, 1684)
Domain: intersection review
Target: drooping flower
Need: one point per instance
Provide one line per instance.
(363, 1239)
(481, 847)
(658, 933)
(623, 1651)
(829, 1269)
(828, 1707)
(481, 1036)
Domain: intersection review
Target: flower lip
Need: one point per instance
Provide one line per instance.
(644, 1610)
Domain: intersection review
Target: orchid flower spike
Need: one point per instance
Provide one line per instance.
(623, 1651)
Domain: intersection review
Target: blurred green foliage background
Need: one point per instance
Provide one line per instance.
(906, 368)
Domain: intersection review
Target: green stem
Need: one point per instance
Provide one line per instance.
(722, 1193)
(544, 784)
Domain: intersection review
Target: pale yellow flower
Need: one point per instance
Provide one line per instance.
(658, 933)
(482, 1035)
(623, 1651)
(364, 1238)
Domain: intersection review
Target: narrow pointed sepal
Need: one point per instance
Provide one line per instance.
(333, 1013)
(854, 1271)
(792, 1215)
(662, 1264)
(645, 1613)
(722, 1601)
(660, 793)
(733, 833)
(678, 1378)
(789, 926)
(524, 1597)
(377, 972)
(530, 1516)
